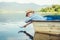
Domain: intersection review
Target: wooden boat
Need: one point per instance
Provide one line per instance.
(47, 30)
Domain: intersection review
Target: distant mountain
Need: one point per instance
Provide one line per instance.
(17, 6)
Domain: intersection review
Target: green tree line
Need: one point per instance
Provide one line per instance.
(53, 8)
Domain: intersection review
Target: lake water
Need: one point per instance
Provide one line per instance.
(8, 26)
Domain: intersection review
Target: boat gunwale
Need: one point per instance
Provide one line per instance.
(45, 20)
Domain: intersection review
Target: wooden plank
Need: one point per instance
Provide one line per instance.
(47, 30)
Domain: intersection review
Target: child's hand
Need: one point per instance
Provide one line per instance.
(24, 25)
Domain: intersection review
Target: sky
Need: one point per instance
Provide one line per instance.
(39, 2)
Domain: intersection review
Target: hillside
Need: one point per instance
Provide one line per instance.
(53, 8)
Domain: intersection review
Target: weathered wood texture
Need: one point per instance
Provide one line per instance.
(47, 30)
